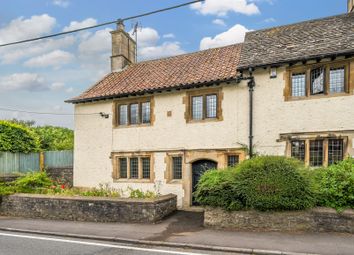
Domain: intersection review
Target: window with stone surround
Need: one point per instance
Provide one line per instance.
(318, 152)
(232, 160)
(133, 112)
(313, 80)
(132, 167)
(177, 167)
(204, 105)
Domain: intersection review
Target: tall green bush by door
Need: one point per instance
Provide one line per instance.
(262, 183)
(17, 138)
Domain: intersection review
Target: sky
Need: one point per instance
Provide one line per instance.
(39, 76)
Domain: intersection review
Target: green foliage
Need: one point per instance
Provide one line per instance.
(55, 138)
(6, 189)
(32, 182)
(274, 183)
(334, 185)
(262, 183)
(219, 188)
(17, 138)
(137, 193)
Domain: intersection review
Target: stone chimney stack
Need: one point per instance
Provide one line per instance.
(350, 6)
(123, 48)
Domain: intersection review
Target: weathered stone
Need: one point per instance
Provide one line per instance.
(314, 220)
(62, 175)
(96, 209)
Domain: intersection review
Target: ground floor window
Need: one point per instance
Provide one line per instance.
(177, 168)
(232, 160)
(132, 167)
(318, 152)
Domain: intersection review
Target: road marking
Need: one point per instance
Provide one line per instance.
(100, 244)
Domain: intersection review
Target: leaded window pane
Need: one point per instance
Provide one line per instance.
(123, 114)
(316, 153)
(317, 80)
(232, 160)
(197, 108)
(298, 150)
(298, 85)
(134, 114)
(145, 163)
(336, 80)
(211, 106)
(335, 150)
(145, 112)
(177, 167)
(134, 168)
(123, 168)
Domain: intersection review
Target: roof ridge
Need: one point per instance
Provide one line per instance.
(189, 53)
(301, 22)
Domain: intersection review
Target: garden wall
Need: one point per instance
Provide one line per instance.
(314, 220)
(88, 208)
(62, 175)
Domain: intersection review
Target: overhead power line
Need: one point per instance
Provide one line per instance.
(100, 25)
(53, 113)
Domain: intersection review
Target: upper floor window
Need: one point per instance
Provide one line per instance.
(133, 112)
(204, 105)
(312, 80)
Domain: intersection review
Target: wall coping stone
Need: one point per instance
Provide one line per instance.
(93, 198)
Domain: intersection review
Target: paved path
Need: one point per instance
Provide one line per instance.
(186, 228)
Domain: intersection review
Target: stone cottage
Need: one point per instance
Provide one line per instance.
(286, 90)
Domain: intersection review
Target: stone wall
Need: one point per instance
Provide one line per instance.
(314, 220)
(8, 178)
(88, 208)
(61, 175)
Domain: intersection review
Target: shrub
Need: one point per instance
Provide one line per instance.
(262, 183)
(17, 138)
(137, 193)
(274, 183)
(219, 188)
(32, 182)
(55, 138)
(334, 185)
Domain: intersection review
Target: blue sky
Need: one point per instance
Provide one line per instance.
(39, 76)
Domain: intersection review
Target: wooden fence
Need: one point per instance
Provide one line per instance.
(15, 163)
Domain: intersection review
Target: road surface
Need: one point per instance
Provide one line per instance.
(12, 243)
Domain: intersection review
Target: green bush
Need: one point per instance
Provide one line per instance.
(262, 183)
(334, 185)
(32, 182)
(137, 193)
(55, 138)
(219, 188)
(17, 138)
(274, 183)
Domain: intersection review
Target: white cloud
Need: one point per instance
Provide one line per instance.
(147, 36)
(20, 28)
(168, 36)
(61, 3)
(269, 20)
(222, 7)
(69, 90)
(56, 86)
(55, 59)
(236, 34)
(23, 81)
(164, 50)
(219, 22)
(80, 24)
(100, 41)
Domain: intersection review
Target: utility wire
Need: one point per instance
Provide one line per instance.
(102, 24)
(50, 113)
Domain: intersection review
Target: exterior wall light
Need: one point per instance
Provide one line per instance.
(273, 72)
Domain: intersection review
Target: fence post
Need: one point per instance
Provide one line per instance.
(41, 161)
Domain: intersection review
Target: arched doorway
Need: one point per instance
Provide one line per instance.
(198, 169)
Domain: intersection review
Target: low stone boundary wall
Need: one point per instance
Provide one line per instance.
(8, 178)
(94, 209)
(314, 220)
(62, 175)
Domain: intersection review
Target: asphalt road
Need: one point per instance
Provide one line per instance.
(27, 244)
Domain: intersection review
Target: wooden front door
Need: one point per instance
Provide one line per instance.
(198, 169)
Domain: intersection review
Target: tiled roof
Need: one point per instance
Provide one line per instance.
(310, 39)
(208, 66)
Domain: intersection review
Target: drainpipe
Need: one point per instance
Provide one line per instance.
(251, 84)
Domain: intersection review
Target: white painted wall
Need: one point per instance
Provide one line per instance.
(95, 139)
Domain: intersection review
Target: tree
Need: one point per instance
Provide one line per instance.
(17, 138)
(55, 138)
